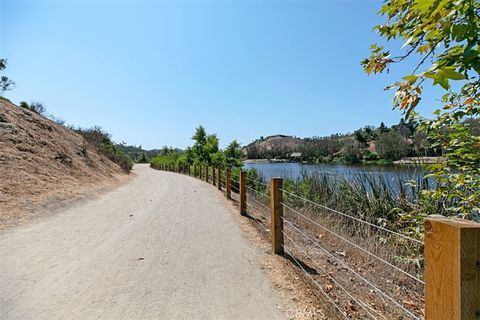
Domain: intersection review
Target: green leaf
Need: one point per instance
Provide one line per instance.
(411, 78)
(423, 5)
(450, 73)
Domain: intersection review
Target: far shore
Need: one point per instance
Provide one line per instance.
(403, 161)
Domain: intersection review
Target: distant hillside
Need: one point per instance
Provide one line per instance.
(272, 144)
(42, 163)
(367, 144)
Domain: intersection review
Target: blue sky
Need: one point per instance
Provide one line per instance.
(149, 72)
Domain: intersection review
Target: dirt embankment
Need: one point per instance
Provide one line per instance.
(43, 164)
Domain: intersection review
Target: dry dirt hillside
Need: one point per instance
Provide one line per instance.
(275, 142)
(43, 165)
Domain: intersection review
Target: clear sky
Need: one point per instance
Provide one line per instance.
(149, 72)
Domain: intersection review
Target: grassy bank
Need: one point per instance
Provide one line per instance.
(369, 197)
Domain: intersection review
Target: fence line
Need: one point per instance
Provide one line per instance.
(352, 217)
(385, 295)
(258, 182)
(258, 192)
(260, 204)
(356, 246)
(317, 284)
(263, 227)
(362, 304)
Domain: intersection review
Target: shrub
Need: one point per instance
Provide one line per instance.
(33, 106)
(101, 140)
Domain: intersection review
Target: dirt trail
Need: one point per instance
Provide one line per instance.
(163, 246)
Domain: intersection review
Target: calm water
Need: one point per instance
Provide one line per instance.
(295, 170)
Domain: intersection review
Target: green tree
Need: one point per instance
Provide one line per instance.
(420, 143)
(211, 147)
(391, 146)
(198, 148)
(352, 150)
(218, 159)
(233, 155)
(443, 37)
(383, 128)
(5, 82)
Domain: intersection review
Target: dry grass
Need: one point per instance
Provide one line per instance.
(43, 164)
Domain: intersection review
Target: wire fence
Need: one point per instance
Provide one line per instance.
(352, 217)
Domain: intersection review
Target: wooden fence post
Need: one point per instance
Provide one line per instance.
(228, 184)
(200, 172)
(206, 173)
(276, 208)
(243, 192)
(452, 269)
(214, 180)
(219, 179)
(195, 170)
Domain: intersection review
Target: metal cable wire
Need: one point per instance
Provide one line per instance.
(356, 246)
(316, 283)
(258, 202)
(257, 181)
(352, 217)
(257, 220)
(258, 192)
(362, 304)
(354, 272)
(265, 216)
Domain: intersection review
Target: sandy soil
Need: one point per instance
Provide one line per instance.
(163, 246)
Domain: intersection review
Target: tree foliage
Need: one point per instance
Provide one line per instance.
(360, 146)
(443, 37)
(204, 151)
(391, 146)
(101, 139)
(5, 82)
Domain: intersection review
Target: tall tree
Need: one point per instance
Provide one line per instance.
(443, 37)
(198, 148)
(233, 154)
(391, 146)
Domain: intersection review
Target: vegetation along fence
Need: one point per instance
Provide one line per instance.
(360, 269)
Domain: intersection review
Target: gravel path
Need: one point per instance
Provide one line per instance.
(162, 246)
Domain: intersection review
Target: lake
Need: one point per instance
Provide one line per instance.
(294, 170)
